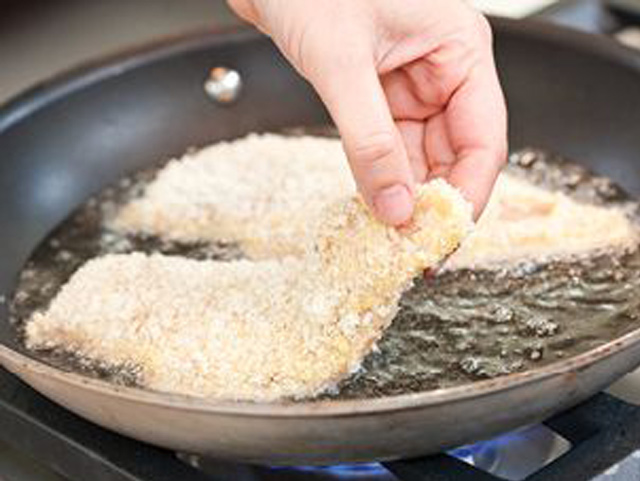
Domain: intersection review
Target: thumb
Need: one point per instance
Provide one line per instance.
(375, 149)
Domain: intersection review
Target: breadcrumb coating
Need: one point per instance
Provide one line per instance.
(261, 330)
(259, 191)
(524, 222)
(267, 191)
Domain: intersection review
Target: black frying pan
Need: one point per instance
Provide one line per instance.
(66, 139)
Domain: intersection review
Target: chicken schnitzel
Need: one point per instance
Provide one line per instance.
(254, 330)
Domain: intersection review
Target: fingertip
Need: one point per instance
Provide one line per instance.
(475, 175)
(477, 194)
(393, 205)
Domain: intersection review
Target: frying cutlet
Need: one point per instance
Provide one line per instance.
(262, 330)
(266, 192)
(525, 222)
(259, 191)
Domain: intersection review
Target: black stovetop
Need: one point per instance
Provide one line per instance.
(602, 432)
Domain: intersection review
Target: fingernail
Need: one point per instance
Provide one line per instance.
(394, 205)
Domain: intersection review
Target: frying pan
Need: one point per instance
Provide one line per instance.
(66, 139)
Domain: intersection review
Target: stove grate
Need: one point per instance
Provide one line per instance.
(602, 431)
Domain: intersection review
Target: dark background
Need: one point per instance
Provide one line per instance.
(41, 37)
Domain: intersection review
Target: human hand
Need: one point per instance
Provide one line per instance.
(410, 84)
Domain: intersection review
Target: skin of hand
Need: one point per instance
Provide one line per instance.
(411, 85)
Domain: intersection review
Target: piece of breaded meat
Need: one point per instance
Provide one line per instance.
(261, 330)
(266, 192)
(259, 191)
(525, 222)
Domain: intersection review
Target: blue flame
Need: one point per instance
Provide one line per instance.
(343, 471)
(374, 470)
(467, 453)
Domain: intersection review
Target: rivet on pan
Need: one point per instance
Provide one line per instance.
(223, 85)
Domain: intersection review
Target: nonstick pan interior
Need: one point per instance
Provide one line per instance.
(459, 327)
(71, 136)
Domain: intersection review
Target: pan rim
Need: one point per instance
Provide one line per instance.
(76, 79)
(84, 74)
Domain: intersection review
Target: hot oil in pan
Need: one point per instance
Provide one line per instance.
(459, 327)
(470, 325)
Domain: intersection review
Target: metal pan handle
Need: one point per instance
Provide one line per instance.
(627, 10)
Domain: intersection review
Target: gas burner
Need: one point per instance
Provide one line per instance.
(75, 447)
(346, 472)
(512, 457)
(515, 456)
(342, 472)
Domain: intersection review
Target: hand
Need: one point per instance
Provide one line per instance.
(410, 84)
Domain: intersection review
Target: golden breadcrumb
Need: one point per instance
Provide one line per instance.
(259, 191)
(266, 191)
(527, 222)
(254, 330)
(326, 282)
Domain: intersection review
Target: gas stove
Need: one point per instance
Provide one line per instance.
(598, 440)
